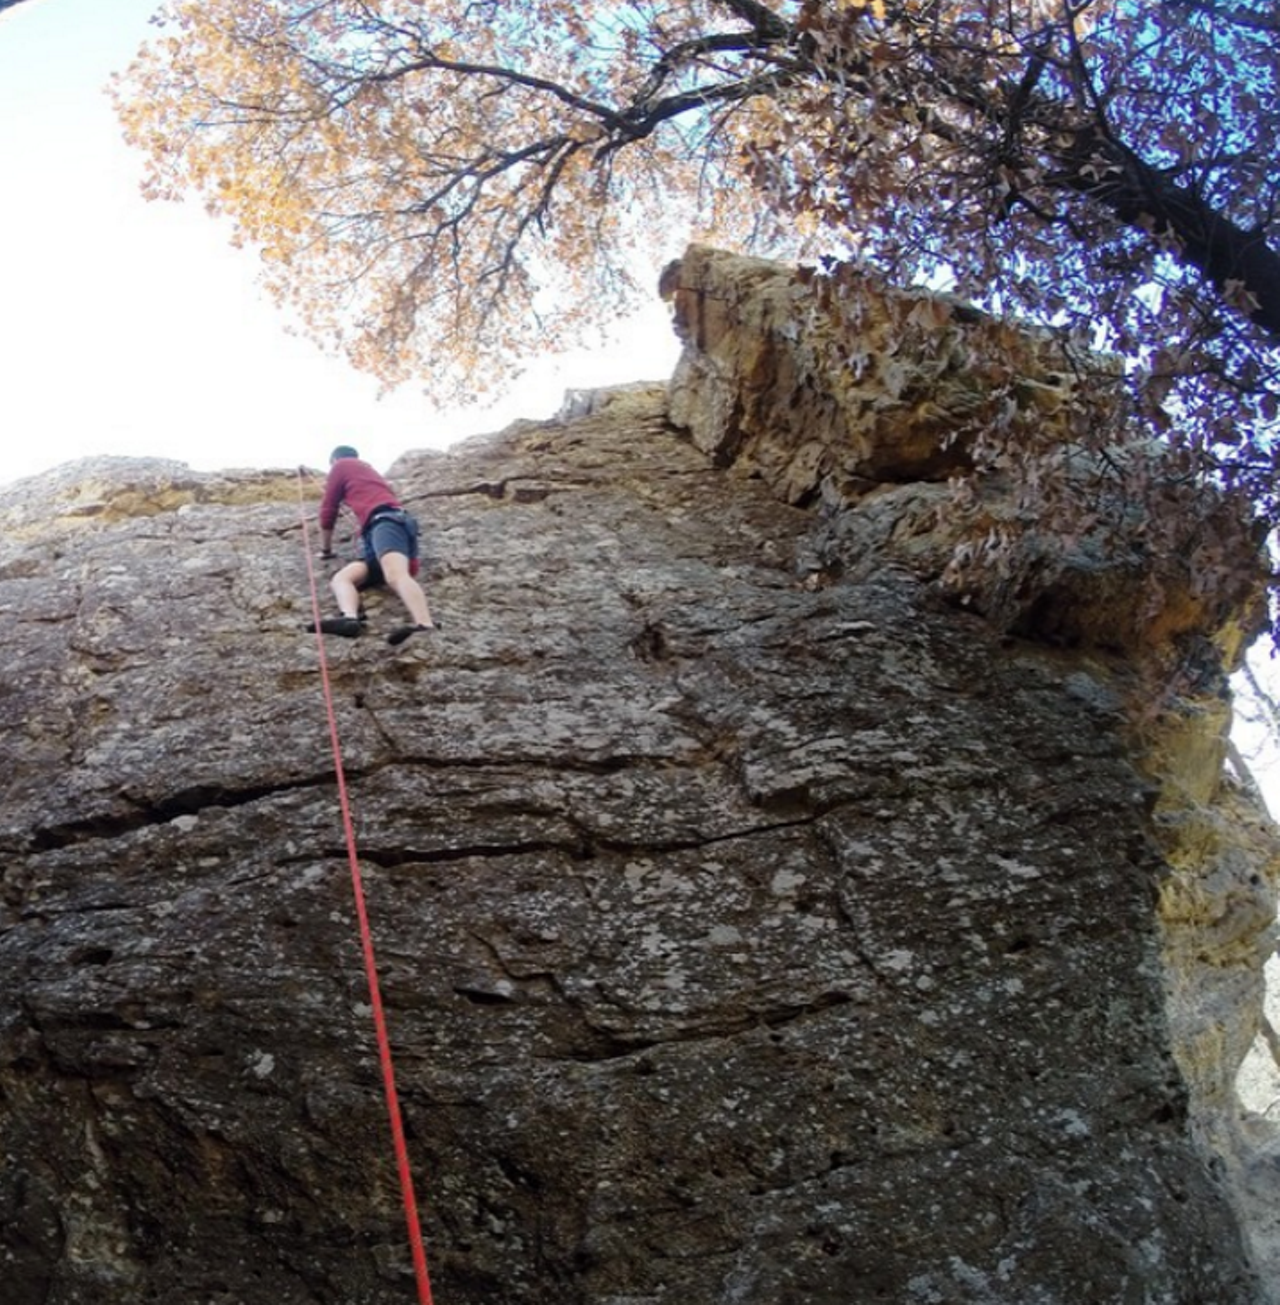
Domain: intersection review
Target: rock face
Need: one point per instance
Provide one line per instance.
(754, 925)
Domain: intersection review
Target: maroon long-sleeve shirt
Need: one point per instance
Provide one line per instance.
(356, 484)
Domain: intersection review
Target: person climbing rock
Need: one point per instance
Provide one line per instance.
(389, 543)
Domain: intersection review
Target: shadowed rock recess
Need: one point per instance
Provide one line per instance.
(755, 924)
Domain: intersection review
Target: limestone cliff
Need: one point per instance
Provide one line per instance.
(756, 925)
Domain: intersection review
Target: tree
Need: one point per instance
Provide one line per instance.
(442, 188)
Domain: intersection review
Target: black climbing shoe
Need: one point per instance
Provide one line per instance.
(347, 626)
(402, 632)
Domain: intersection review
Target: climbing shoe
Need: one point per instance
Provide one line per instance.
(402, 632)
(347, 626)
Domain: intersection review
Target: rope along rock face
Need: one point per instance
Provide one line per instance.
(386, 1063)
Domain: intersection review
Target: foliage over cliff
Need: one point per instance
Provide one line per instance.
(442, 190)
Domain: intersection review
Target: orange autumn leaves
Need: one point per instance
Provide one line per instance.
(434, 196)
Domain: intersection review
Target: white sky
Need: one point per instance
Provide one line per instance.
(136, 329)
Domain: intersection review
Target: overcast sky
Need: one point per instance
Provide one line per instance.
(133, 328)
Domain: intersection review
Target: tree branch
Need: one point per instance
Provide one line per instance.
(495, 72)
(760, 18)
(1240, 264)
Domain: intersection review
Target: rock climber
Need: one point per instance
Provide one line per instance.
(389, 543)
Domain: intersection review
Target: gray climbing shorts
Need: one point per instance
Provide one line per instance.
(389, 530)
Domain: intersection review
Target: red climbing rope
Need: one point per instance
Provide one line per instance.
(366, 943)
